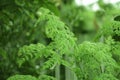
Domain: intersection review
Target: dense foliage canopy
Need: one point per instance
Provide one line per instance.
(58, 40)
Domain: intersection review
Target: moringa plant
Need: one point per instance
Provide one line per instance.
(88, 61)
(38, 42)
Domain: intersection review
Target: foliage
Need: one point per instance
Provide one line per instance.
(17, 28)
(106, 77)
(57, 40)
(97, 54)
(46, 77)
(22, 77)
